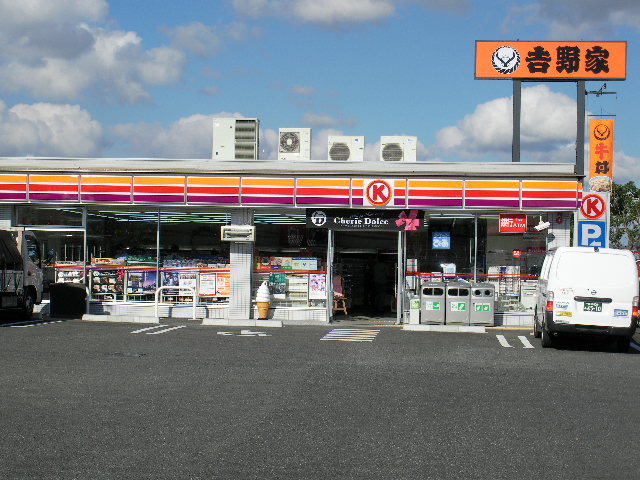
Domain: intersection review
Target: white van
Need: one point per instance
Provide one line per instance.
(587, 290)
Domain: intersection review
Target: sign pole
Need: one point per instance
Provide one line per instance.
(581, 94)
(517, 109)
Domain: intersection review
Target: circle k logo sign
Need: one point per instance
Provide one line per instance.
(378, 193)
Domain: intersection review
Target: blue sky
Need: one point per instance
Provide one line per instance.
(122, 78)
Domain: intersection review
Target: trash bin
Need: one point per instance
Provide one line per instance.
(458, 299)
(67, 300)
(432, 299)
(483, 297)
(414, 310)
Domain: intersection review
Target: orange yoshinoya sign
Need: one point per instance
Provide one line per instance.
(551, 60)
(600, 154)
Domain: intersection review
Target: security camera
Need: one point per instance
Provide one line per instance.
(542, 226)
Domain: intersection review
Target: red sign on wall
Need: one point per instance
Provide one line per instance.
(513, 223)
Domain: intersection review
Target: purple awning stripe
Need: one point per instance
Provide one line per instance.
(105, 197)
(357, 201)
(159, 198)
(472, 202)
(435, 202)
(212, 199)
(13, 196)
(53, 196)
(268, 200)
(398, 202)
(322, 201)
(549, 203)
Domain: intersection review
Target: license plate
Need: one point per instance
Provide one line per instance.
(592, 307)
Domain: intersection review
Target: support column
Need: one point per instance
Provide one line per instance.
(241, 258)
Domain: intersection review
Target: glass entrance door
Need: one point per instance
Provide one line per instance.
(365, 268)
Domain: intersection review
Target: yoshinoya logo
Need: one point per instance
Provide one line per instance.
(601, 132)
(505, 59)
(318, 218)
(378, 193)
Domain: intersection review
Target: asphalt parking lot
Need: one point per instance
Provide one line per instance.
(100, 400)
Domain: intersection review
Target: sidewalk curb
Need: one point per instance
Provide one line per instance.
(445, 328)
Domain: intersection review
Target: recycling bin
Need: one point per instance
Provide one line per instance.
(432, 309)
(414, 310)
(67, 300)
(457, 300)
(483, 299)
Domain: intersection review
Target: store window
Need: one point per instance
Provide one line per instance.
(291, 258)
(446, 249)
(122, 250)
(511, 261)
(193, 256)
(60, 241)
(51, 216)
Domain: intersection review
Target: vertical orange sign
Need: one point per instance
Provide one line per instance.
(600, 154)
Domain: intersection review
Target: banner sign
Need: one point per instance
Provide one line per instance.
(345, 219)
(513, 223)
(600, 154)
(544, 60)
(593, 220)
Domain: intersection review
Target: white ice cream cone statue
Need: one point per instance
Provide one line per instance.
(263, 299)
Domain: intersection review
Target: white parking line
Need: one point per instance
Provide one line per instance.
(165, 330)
(20, 324)
(525, 342)
(148, 328)
(503, 341)
(351, 335)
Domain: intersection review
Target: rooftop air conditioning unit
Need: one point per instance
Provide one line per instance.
(398, 148)
(294, 144)
(346, 148)
(235, 138)
(237, 233)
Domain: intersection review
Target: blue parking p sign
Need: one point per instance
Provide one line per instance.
(592, 233)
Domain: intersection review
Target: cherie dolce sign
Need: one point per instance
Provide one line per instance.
(543, 60)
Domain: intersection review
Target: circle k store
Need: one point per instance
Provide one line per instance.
(147, 237)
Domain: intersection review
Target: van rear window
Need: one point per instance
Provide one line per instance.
(580, 268)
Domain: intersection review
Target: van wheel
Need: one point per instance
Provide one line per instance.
(536, 329)
(623, 343)
(545, 338)
(28, 303)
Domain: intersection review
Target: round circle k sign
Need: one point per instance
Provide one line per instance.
(593, 206)
(378, 193)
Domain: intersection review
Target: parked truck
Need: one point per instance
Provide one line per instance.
(20, 271)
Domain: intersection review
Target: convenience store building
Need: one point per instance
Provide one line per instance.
(123, 228)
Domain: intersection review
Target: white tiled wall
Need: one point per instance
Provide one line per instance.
(241, 265)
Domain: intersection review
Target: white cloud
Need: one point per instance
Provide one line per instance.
(625, 168)
(321, 120)
(303, 90)
(589, 19)
(195, 37)
(188, 137)
(210, 90)
(36, 11)
(547, 127)
(46, 129)
(337, 12)
(52, 50)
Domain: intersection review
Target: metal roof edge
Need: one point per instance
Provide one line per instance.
(273, 167)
